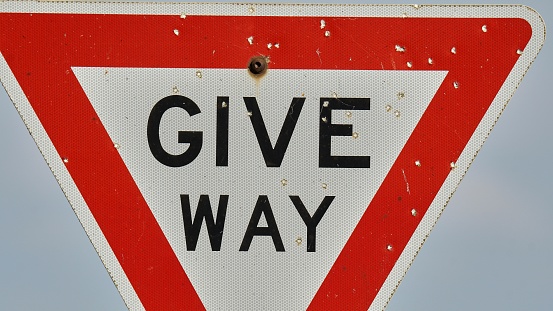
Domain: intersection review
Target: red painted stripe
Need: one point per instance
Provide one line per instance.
(41, 51)
(41, 48)
(481, 65)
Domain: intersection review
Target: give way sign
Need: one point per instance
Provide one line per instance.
(261, 157)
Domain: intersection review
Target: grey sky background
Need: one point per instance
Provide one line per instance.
(492, 249)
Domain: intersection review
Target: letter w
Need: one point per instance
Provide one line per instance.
(214, 229)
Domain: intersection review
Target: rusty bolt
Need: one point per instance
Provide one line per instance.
(258, 65)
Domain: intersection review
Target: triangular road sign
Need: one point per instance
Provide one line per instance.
(261, 157)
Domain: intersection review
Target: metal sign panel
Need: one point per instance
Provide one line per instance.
(260, 157)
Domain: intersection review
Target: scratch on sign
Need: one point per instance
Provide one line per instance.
(406, 182)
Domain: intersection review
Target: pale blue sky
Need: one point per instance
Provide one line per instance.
(491, 250)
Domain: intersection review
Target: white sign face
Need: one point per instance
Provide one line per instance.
(260, 157)
(340, 194)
